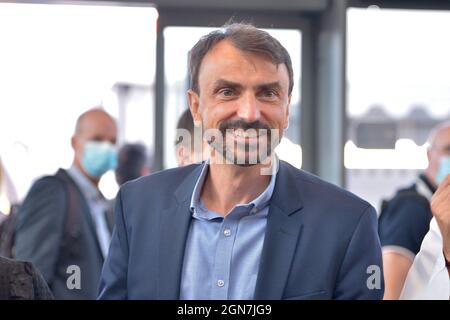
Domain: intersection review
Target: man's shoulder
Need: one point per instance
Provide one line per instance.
(46, 197)
(408, 210)
(409, 193)
(407, 199)
(168, 178)
(53, 184)
(332, 212)
(313, 187)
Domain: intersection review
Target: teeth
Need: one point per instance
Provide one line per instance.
(245, 134)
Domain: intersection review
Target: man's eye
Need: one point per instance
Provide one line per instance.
(226, 92)
(269, 94)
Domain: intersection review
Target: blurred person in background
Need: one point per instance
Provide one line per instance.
(8, 194)
(21, 281)
(429, 276)
(405, 219)
(8, 207)
(64, 224)
(134, 162)
(186, 151)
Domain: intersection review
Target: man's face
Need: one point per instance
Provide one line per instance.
(243, 95)
(440, 148)
(95, 126)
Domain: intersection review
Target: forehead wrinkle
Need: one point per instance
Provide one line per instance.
(230, 64)
(224, 82)
(269, 85)
(250, 58)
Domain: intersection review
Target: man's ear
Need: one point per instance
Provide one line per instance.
(194, 105)
(286, 123)
(145, 171)
(73, 142)
(181, 157)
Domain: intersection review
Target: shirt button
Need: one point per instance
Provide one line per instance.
(220, 283)
(227, 232)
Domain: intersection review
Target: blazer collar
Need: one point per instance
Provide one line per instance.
(184, 191)
(287, 196)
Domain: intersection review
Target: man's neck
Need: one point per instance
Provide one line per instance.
(94, 181)
(228, 185)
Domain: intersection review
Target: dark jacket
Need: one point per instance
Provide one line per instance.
(20, 280)
(405, 219)
(321, 242)
(43, 237)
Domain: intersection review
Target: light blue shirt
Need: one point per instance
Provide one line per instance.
(97, 205)
(222, 254)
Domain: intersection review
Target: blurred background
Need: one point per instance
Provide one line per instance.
(371, 79)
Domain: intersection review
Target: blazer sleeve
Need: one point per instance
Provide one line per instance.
(361, 272)
(113, 281)
(40, 224)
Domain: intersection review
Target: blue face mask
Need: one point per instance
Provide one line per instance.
(98, 157)
(444, 169)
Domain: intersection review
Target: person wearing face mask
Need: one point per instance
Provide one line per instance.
(407, 218)
(64, 225)
(429, 275)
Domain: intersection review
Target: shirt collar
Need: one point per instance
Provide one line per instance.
(88, 189)
(257, 204)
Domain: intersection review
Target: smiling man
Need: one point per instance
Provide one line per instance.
(242, 225)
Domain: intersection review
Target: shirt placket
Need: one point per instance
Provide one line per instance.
(222, 261)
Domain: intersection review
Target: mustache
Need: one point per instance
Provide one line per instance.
(241, 124)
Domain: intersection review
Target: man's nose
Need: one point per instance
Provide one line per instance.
(248, 108)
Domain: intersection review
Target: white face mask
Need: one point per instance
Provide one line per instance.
(444, 169)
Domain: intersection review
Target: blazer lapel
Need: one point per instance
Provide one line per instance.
(282, 234)
(175, 222)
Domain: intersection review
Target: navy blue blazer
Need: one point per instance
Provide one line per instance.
(321, 241)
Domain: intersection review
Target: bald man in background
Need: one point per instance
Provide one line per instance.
(64, 225)
(406, 220)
